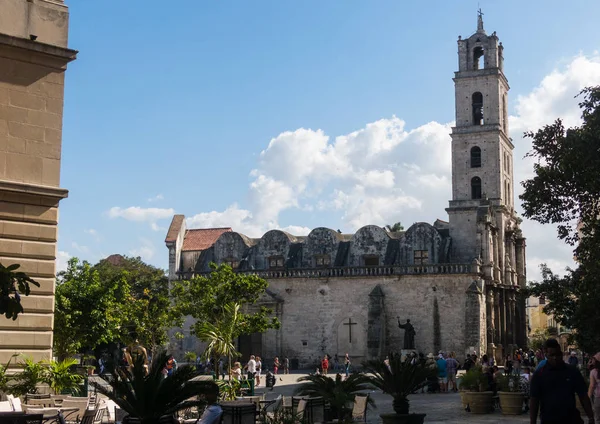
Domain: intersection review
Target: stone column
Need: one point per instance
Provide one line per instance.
(490, 315)
(503, 337)
(512, 315)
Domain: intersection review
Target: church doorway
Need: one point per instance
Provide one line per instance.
(249, 344)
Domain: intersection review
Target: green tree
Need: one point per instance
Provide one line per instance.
(88, 311)
(204, 296)
(118, 299)
(150, 315)
(220, 334)
(395, 228)
(12, 284)
(565, 190)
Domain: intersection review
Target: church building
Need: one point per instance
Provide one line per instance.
(458, 280)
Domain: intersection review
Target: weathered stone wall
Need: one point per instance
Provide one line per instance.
(316, 312)
(31, 108)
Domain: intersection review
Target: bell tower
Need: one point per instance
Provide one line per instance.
(481, 148)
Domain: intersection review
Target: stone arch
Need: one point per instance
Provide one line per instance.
(321, 245)
(422, 243)
(351, 322)
(273, 244)
(368, 243)
(231, 246)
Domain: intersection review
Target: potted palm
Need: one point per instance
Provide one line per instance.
(146, 398)
(510, 393)
(61, 378)
(336, 392)
(399, 379)
(474, 391)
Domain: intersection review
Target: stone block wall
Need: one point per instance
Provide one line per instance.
(317, 314)
(33, 59)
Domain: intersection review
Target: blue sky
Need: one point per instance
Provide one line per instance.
(167, 109)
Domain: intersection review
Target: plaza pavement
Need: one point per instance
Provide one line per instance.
(440, 408)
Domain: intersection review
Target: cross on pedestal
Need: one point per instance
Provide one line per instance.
(350, 324)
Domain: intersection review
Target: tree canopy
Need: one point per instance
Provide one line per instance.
(565, 190)
(120, 299)
(395, 228)
(204, 296)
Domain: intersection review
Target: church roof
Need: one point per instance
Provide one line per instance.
(174, 228)
(201, 239)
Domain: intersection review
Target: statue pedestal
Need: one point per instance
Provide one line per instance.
(406, 352)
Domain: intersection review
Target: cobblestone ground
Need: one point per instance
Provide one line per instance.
(440, 408)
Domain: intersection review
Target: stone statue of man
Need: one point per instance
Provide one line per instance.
(409, 334)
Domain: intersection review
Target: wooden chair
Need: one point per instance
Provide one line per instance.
(80, 403)
(359, 410)
(238, 413)
(15, 402)
(6, 406)
(299, 415)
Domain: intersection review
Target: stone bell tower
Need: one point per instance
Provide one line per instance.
(483, 224)
(481, 148)
(33, 60)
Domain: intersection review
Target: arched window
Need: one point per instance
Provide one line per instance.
(475, 188)
(477, 105)
(478, 58)
(475, 157)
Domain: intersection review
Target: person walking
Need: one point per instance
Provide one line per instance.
(451, 367)
(276, 365)
(347, 365)
(442, 374)
(251, 367)
(325, 365)
(258, 370)
(286, 365)
(594, 388)
(553, 389)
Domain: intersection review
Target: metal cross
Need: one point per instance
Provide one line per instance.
(350, 324)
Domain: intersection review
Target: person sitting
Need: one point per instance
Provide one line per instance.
(212, 413)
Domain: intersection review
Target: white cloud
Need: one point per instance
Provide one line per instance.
(146, 250)
(62, 260)
(156, 198)
(138, 214)
(80, 248)
(94, 233)
(384, 173)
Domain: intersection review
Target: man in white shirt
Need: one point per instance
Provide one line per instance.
(251, 367)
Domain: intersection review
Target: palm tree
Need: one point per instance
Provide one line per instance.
(60, 377)
(220, 334)
(149, 397)
(399, 380)
(395, 228)
(338, 393)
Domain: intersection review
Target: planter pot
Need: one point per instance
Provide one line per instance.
(464, 397)
(480, 402)
(403, 418)
(511, 403)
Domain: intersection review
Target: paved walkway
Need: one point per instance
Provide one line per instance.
(440, 408)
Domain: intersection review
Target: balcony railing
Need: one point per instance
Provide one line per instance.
(363, 271)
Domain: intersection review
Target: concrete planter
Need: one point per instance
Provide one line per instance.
(402, 418)
(464, 397)
(480, 402)
(511, 403)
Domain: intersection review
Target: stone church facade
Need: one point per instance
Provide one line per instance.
(458, 281)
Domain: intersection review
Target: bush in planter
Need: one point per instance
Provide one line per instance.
(338, 393)
(29, 378)
(148, 397)
(61, 378)
(473, 386)
(511, 394)
(399, 380)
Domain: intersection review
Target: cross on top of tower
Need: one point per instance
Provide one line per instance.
(480, 21)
